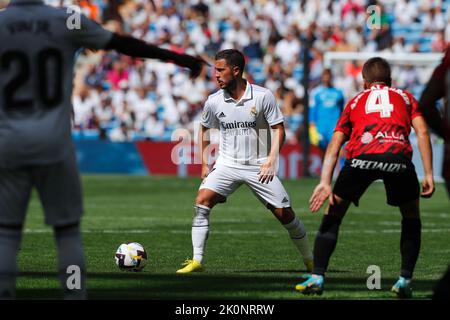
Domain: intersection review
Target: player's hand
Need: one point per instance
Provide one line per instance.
(427, 187)
(266, 172)
(195, 64)
(321, 193)
(205, 171)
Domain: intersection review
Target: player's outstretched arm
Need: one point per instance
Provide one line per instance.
(427, 103)
(139, 49)
(423, 140)
(434, 91)
(323, 190)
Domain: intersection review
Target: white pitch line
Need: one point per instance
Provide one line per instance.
(303, 211)
(219, 219)
(445, 215)
(171, 219)
(268, 232)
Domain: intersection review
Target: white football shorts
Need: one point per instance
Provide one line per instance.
(224, 180)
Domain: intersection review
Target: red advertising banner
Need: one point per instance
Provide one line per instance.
(172, 158)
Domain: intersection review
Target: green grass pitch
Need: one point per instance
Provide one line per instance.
(248, 255)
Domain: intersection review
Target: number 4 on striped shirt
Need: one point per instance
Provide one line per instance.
(378, 101)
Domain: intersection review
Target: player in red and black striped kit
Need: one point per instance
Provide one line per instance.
(376, 123)
(439, 87)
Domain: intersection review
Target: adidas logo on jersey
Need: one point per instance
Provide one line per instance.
(285, 200)
(222, 115)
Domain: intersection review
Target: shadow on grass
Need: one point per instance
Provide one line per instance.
(131, 285)
(299, 271)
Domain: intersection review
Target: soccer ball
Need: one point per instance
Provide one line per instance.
(131, 256)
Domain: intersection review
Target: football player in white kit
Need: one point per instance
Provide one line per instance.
(37, 57)
(251, 134)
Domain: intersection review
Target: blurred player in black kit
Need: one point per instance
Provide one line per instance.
(37, 59)
(439, 87)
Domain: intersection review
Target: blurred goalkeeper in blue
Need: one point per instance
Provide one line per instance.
(327, 103)
(37, 58)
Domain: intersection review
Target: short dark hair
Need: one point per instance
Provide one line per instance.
(377, 70)
(233, 57)
(327, 71)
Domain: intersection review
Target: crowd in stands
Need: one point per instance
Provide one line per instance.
(125, 99)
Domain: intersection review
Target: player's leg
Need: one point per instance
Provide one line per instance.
(410, 237)
(215, 188)
(297, 232)
(327, 236)
(324, 246)
(403, 190)
(15, 189)
(59, 189)
(71, 262)
(442, 289)
(410, 241)
(10, 237)
(349, 187)
(206, 200)
(275, 197)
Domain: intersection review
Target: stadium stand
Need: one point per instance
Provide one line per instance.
(121, 99)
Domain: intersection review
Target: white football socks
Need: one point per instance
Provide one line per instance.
(200, 230)
(298, 235)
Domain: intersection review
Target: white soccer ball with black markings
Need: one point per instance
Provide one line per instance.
(131, 256)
